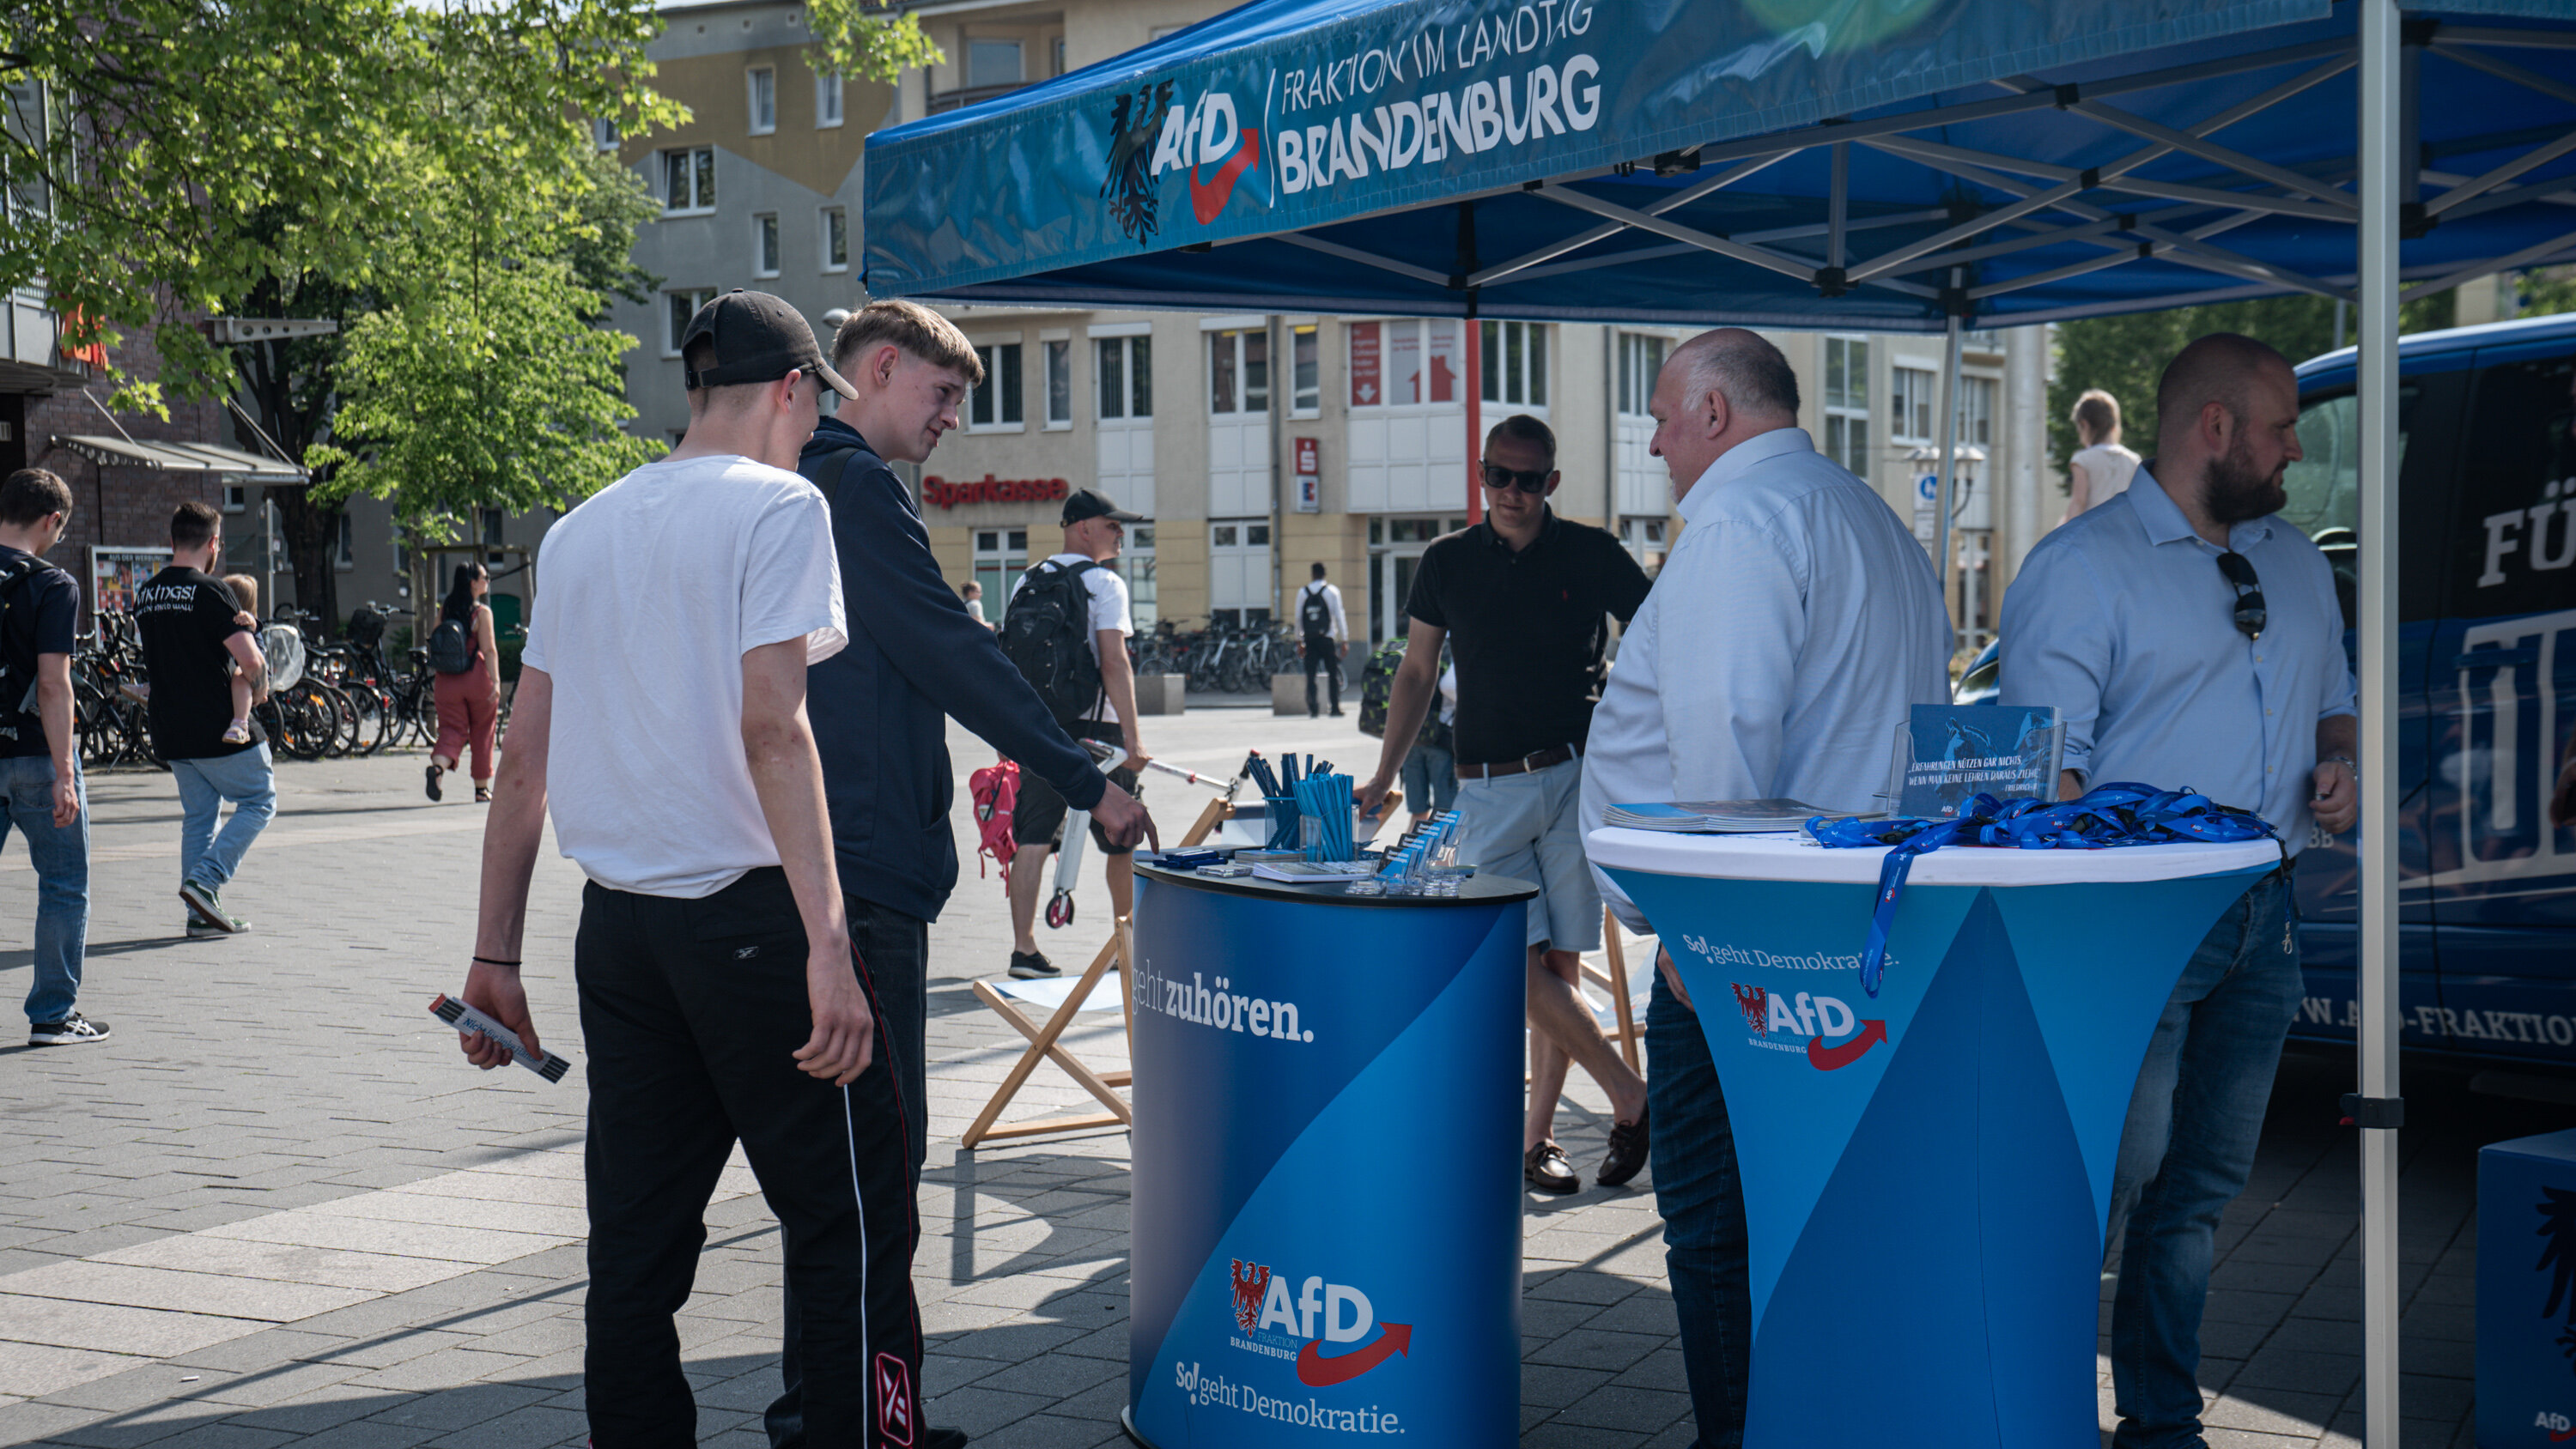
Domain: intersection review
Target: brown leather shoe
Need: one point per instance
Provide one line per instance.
(1627, 1154)
(1546, 1169)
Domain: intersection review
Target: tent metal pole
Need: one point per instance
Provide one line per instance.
(2375, 628)
(1948, 423)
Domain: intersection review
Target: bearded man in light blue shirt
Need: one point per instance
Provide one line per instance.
(1792, 626)
(2190, 637)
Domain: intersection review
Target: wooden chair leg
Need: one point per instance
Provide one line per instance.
(1618, 983)
(1042, 1042)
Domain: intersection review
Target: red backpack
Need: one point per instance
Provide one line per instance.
(994, 790)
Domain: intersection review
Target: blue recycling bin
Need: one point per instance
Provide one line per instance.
(1926, 1170)
(1326, 1209)
(2527, 1291)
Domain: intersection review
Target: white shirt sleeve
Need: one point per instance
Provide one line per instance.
(791, 579)
(1109, 601)
(1341, 625)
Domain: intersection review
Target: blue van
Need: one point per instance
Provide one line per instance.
(2487, 689)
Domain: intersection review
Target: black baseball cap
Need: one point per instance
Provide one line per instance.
(1084, 503)
(758, 338)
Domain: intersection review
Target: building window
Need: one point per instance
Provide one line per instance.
(1136, 565)
(1126, 377)
(1977, 412)
(1400, 364)
(493, 521)
(1515, 364)
(992, 63)
(836, 239)
(1059, 384)
(1644, 538)
(689, 180)
(603, 134)
(827, 102)
(344, 554)
(1847, 402)
(681, 306)
(764, 100)
(1307, 397)
(1912, 394)
(1001, 556)
(764, 244)
(995, 403)
(236, 498)
(1239, 371)
(1641, 361)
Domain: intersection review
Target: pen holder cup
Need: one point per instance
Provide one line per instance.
(1310, 836)
(1283, 818)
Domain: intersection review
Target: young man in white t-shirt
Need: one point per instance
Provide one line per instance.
(1095, 529)
(661, 715)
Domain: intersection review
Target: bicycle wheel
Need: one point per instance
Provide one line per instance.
(304, 724)
(344, 718)
(375, 715)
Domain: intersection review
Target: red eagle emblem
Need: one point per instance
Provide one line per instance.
(1755, 1002)
(1251, 1284)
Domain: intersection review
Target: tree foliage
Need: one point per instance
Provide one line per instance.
(865, 39)
(167, 157)
(2125, 355)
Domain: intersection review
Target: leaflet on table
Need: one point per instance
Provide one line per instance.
(1954, 751)
(1731, 817)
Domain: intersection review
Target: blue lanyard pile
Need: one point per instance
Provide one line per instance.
(2107, 817)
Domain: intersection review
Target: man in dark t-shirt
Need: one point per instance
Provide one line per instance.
(192, 643)
(40, 780)
(1524, 600)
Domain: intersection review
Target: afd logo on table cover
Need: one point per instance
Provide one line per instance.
(1277, 1324)
(2560, 1427)
(1833, 1036)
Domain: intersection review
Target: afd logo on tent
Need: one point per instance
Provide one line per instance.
(1152, 136)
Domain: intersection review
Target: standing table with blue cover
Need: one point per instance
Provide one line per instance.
(1926, 1172)
(1326, 1215)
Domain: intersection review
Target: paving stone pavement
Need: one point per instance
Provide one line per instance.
(277, 1209)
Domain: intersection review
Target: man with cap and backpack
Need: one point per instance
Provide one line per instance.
(1066, 628)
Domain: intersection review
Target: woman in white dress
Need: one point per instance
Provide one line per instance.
(2101, 469)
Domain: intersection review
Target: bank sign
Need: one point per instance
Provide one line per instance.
(1288, 114)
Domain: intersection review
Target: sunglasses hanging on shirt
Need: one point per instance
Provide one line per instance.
(2250, 614)
(1502, 479)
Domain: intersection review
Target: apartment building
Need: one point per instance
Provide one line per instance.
(1260, 444)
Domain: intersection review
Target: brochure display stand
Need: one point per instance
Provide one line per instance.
(1326, 1206)
(1926, 1172)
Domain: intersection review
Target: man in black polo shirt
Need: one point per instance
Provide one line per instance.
(192, 644)
(1524, 601)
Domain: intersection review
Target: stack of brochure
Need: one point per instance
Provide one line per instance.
(1725, 817)
(1315, 872)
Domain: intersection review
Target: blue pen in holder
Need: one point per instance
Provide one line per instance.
(1283, 817)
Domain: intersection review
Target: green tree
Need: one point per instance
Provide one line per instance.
(2125, 355)
(867, 39)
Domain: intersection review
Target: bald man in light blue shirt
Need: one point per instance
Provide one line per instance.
(2190, 637)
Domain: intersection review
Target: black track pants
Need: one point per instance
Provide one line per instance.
(691, 1010)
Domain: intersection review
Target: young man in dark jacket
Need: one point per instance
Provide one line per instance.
(916, 657)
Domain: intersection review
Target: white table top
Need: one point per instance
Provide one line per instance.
(1794, 857)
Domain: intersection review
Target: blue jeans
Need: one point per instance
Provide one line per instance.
(2185, 1151)
(246, 778)
(61, 858)
(1697, 1191)
(1430, 780)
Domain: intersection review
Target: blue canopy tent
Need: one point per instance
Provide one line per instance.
(1798, 163)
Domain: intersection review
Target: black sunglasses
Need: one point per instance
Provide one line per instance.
(2250, 614)
(1499, 478)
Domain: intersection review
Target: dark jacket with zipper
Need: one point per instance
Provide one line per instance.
(879, 707)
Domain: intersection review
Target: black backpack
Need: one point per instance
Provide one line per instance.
(13, 590)
(1377, 685)
(1313, 614)
(451, 647)
(1046, 632)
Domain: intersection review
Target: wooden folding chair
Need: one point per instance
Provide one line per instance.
(1043, 1044)
(1615, 981)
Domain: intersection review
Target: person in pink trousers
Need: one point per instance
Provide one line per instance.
(469, 703)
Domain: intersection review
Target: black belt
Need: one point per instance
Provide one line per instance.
(1526, 763)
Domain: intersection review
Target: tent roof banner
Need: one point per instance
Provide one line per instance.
(1766, 162)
